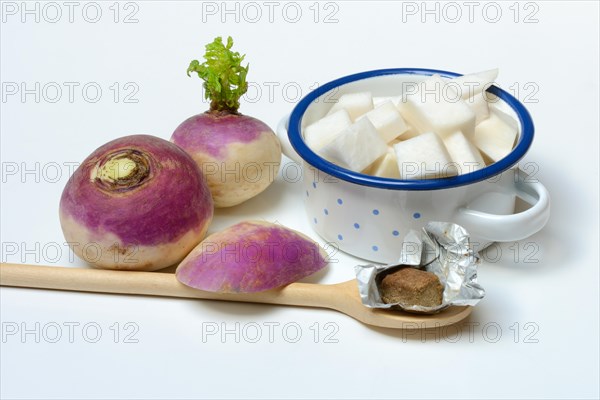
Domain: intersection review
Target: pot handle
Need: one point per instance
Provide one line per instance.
(286, 146)
(513, 227)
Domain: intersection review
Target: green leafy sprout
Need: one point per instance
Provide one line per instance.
(223, 75)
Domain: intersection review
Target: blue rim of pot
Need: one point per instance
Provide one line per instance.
(294, 129)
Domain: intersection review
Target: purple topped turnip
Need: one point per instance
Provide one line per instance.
(238, 154)
(136, 203)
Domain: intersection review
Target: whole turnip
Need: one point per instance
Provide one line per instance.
(238, 154)
(136, 203)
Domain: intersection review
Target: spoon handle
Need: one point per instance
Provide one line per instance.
(155, 284)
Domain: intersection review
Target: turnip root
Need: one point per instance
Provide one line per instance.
(251, 256)
(136, 203)
(238, 154)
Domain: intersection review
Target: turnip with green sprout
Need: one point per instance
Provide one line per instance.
(238, 154)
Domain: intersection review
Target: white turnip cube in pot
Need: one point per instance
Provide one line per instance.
(325, 130)
(473, 84)
(356, 147)
(379, 100)
(480, 107)
(437, 108)
(356, 104)
(463, 153)
(385, 166)
(424, 157)
(496, 136)
(409, 134)
(387, 120)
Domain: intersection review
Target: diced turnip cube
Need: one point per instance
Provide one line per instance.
(436, 108)
(480, 107)
(401, 106)
(387, 120)
(356, 147)
(356, 104)
(323, 131)
(409, 134)
(377, 101)
(496, 136)
(424, 157)
(472, 84)
(385, 166)
(463, 153)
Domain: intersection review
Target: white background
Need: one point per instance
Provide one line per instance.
(552, 62)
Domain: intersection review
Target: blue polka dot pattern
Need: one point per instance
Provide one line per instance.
(307, 193)
(325, 211)
(375, 212)
(417, 215)
(356, 225)
(314, 219)
(340, 237)
(340, 201)
(375, 248)
(315, 185)
(395, 233)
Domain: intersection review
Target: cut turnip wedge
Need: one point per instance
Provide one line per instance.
(424, 157)
(356, 147)
(251, 256)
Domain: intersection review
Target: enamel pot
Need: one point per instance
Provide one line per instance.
(368, 216)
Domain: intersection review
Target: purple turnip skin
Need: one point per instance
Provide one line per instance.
(148, 219)
(197, 133)
(251, 256)
(238, 154)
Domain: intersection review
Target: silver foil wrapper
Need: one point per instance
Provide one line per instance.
(442, 248)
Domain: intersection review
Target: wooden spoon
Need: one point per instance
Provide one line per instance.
(342, 297)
